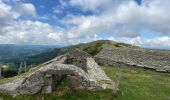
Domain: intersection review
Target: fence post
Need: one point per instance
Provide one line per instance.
(25, 66)
(0, 70)
(20, 68)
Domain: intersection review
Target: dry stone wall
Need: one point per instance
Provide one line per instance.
(78, 58)
(42, 79)
(147, 58)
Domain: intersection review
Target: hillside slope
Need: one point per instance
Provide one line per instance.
(94, 47)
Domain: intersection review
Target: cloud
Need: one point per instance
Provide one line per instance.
(24, 9)
(10, 13)
(28, 32)
(5, 15)
(124, 19)
(60, 8)
(160, 42)
(90, 5)
(96, 6)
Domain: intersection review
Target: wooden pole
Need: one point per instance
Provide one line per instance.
(20, 68)
(0, 70)
(25, 66)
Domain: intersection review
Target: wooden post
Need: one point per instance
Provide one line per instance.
(20, 68)
(0, 70)
(25, 66)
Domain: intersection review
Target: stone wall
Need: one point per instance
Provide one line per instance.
(77, 58)
(147, 58)
(43, 79)
(95, 71)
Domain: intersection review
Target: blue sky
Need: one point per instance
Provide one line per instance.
(144, 23)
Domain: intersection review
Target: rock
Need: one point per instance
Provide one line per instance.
(78, 58)
(94, 70)
(86, 74)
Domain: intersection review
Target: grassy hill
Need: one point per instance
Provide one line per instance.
(94, 47)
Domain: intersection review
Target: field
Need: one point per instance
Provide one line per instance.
(135, 84)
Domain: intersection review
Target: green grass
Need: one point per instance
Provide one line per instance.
(136, 84)
(140, 84)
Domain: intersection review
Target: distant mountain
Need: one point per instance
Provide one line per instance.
(39, 58)
(13, 51)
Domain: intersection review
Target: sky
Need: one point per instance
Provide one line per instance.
(144, 23)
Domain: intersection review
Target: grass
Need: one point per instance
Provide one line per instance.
(136, 84)
(141, 84)
(4, 80)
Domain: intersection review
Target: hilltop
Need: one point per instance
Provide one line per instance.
(95, 47)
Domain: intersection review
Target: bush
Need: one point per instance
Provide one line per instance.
(9, 73)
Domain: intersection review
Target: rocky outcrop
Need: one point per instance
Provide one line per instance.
(43, 79)
(147, 58)
(77, 58)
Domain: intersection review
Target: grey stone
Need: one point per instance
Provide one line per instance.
(42, 79)
(146, 58)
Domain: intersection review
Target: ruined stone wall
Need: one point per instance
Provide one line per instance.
(77, 58)
(152, 59)
(41, 79)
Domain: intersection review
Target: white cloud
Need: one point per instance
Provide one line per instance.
(89, 5)
(10, 13)
(96, 5)
(29, 32)
(5, 15)
(160, 42)
(123, 18)
(57, 11)
(127, 19)
(24, 8)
